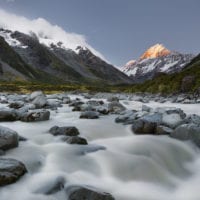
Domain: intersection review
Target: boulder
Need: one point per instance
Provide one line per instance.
(89, 115)
(40, 101)
(195, 119)
(7, 115)
(113, 99)
(64, 130)
(143, 127)
(35, 116)
(115, 107)
(10, 171)
(172, 120)
(87, 193)
(126, 116)
(187, 132)
(16, 104)
(76, 140)
(146, 108)
(163, 130)
(8, 138)
(35, 94)
(102, 110)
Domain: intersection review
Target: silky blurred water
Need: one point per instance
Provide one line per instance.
(129, 167)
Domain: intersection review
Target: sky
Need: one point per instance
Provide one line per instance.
(121, 30)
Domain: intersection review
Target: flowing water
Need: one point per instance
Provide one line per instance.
(129, 167)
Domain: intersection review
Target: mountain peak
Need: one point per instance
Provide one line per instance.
(155, 51)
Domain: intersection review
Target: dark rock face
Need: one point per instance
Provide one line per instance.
(65, 130)
(76, 140)
(187, 83)
(7, 115)
(35, 116)
(10, 171)
(8, 138)
(84, 193)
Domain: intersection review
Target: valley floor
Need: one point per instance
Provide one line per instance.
(128, 166)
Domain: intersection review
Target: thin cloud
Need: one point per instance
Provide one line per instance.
(44, 29)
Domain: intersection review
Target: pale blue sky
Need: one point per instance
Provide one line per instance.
(120, 29)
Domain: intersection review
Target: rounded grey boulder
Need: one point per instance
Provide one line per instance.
(40, 115)
(10, 171)
(8, 138)
(89, 115)
(64, 130)
(86, 193)
(76, 140)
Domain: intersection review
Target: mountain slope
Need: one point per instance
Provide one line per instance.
(57, 62)
(157, 59)
(187, 80)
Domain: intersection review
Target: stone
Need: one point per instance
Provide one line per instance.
(143, 127)
(8, 138)
(10, 171)
(7, 115)
(40, 101)
(64, 130)
(87, 193)
(187, 132)
(76, 140)
(163, 130)
(89, 115)
(146, 108)
(172, 120)
(35, 116)
(115, 107)
(16, 104)
(113, 99)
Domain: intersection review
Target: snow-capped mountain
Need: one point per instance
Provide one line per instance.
(156, 59)
(29, 57)
(155, 51)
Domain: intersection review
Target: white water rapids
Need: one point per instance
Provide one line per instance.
(131, 167)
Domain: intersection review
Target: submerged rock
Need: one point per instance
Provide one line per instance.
(64, 130)
(51, 187)
(10, 171)
(87, 193)
(8, 138)
(89, 115)
(76, 140)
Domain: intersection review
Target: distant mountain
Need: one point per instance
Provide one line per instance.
(155, 60)
(155, 51)
(38, 58)
(185, 81)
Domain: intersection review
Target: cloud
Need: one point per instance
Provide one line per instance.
(44, 29)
